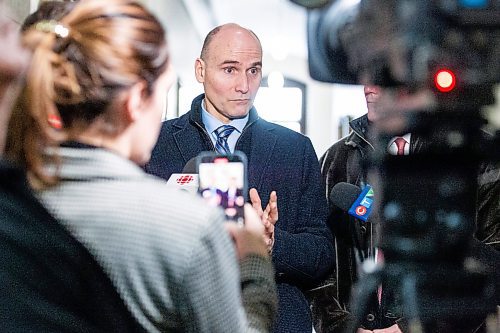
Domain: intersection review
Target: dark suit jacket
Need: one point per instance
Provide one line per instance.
(281, 160)
(48, 280)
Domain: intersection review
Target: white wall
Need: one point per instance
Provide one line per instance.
(182, 35)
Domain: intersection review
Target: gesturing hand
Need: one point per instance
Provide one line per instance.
(268, 216)
(248, 237)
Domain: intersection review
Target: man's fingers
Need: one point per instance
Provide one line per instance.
(256, 202)
(252, 220)
(273, 197)
(273, 206)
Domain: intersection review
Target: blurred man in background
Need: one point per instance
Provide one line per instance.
(343, 162)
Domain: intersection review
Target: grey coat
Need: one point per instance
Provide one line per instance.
(165, 251)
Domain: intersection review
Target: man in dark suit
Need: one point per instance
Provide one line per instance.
(281, 164)
(48, 281)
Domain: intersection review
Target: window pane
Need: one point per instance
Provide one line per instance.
(279, 104)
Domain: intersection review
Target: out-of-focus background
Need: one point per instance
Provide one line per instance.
(288, 96)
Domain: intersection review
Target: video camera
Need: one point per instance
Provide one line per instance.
(405, 42)
(450, 48)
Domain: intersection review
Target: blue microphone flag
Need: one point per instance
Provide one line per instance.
(362, 207)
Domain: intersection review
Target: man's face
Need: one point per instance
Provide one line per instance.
(372, 95)
(231, 73)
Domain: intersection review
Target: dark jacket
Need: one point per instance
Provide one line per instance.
(488, 205)
(281, 160)
(342, 162)
(48, 281)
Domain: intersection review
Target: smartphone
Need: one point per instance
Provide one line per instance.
(223, 182)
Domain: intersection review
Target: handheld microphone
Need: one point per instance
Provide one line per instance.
(358, 204)
(351, 199)
(190, 166)
(311, 4)
(187, 180)
(343, 195)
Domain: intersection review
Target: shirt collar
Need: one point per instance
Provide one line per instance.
(407, 138)
(211, 123)
(392, 148)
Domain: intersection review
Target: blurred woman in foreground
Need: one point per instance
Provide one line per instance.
(90, 116)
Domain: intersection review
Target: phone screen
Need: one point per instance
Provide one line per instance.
(223, 183)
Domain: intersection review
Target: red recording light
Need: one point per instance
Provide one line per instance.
(445, 80)
(221, 160)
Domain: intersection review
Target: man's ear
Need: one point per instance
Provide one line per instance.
(199, 70)
(135, 100)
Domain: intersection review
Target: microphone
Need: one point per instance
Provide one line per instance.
(351, 199)
(343, 195)
(358, 204)
(190, 166)
(311, 4)
(188, 180)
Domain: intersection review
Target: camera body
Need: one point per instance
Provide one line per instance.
(405, 42)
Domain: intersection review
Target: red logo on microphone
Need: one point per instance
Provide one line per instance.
(184, 179)
(361, 210)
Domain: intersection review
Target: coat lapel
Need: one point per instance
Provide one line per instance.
(260, 152)
(189, 128)
(188, 147)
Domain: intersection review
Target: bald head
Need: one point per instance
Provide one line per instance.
(230, 68)
(226, 32)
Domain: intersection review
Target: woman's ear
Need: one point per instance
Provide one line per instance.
(135, 100)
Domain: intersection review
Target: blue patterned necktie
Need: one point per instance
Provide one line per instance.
(223, 132)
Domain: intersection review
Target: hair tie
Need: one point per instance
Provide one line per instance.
(53, 26)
